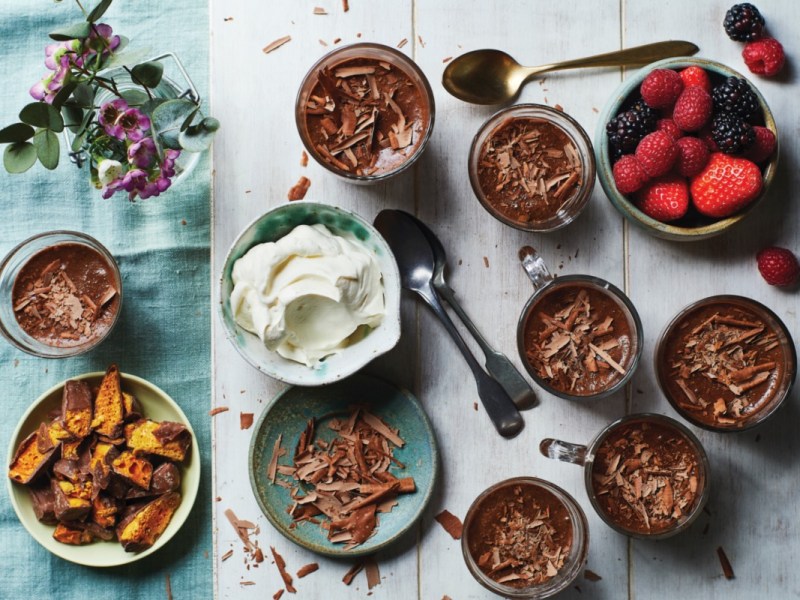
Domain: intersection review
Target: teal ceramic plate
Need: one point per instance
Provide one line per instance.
(288, 414)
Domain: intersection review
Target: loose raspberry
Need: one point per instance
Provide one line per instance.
(657, 153)
(661, 88)
(778, 266)
(629, 176)
(725, 186)
(764, 57)
(693, 156)
(764, 145)
(664, 199)
(693, 109)
(695, 76)
(668, 126)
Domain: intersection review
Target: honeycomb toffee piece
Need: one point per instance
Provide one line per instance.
(43, 502)
(723, 364)
(109, 406)
(76, 408)
(166, 478)
(72, 501)
(647, 477)
(135, 469)
(578, 340)
(521, 535)
(167, 439)
(66, 295)
(140, 529)
(29, 461)
(72, 535)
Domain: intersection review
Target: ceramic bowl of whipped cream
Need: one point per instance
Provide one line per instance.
(310, 293)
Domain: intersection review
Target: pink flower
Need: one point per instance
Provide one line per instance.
(134, 180)
(133, 123)
(109, 114)
(141, 153)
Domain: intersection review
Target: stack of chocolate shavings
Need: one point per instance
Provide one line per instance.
(343, 485)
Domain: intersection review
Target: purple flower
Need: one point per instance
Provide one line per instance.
(37, 91)
(168, 166)
(109, 115)
(61, 54)
(134, 123)
(141, 153)
(110, 188)
(50, 85)
(134, 180)
(99, 44)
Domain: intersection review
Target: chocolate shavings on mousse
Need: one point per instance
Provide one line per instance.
(343, 484)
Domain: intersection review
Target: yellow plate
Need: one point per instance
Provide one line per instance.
(156, 405)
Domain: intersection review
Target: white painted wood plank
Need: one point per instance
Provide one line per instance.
(256, 157)
(753, 506)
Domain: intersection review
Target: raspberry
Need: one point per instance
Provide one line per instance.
(661, 88)
(695, 76)
(693, 156)
(693, 108)
(764, 57)
(778, 266)
(764, 145)
(668, 126)
(657, 153)
(629, 176)
(664, 199)
(743, 22)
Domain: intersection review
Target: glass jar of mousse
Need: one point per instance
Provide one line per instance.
(365, 112)
(532, 167)
(529, 518)
(60, 294)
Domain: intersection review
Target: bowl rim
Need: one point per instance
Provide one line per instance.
(625, 207)
(337, 551)
(188, 498)
(390, 326)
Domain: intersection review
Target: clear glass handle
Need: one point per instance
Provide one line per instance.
(534, 266)
(563, 451)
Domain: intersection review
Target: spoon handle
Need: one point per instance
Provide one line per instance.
(497, 363)
(501, 410)
(637, 55)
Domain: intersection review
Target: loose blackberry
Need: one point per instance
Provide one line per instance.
(732, 134)
(735, 96)
(743, 23)
(626, 130)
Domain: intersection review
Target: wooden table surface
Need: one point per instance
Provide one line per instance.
(753, 509)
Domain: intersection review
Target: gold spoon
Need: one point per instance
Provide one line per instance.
(493, 77)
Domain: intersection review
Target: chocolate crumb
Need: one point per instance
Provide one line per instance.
(245, 420)
(451, 524)
(318, 10)
(486, 262)
(591, 575)
(304, 159)
(337, 40)
(475, 406)
(323, 42)
(727, 569)
(447, 59)
(299, 190)
(226, 19)
(183, 221)
(559, 107)
(345, 5)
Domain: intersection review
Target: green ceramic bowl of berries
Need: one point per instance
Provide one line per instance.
(686, 148)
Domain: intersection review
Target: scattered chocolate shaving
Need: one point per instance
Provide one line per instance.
(352, 572)
(447, 59)
(559, 107)
(345, 5)
(486, 261)
(402, 42)
(226, 556)
(281, 564)
(226, 19)
(243, 529)
(337, 40)
(373, 572)
(304, 159)
(727, 569)
(169, 587)
(276, 44)
(318, 10)
(421, 43)
(277, 595)
(245, 420)
(273, 461)
(323, 42)
(215, 411)
(307, 570)
(591, 575)
(451, 524)
(298, 190)
(247, 583)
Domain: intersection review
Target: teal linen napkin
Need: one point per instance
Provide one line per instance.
(163, 335)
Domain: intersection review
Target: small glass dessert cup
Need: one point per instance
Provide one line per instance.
(726, 363)
(365, 112)
(646, 475)
(578, 336)
(86, 287)
(532, 167)
(552, 523)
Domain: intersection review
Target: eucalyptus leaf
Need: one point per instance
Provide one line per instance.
(18, 132)
(77, 143)
(167, 119)
(76, 31)
(73, 116)
(84, 95)
(188, 120)
(19, 157)
(127, 58)
(134, 97)
(47, 148)
(148, 73)
(196, 138)
(41, 114)
(98, 11)
(149, 106)
(210, 124)
(64, 93)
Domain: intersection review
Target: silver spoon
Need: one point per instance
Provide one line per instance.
(497, 363)
(416, 264)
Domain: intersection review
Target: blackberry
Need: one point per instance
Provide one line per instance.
(735, 96)
(627, 129)
(650, 115)
(732, 134)
(743, 23)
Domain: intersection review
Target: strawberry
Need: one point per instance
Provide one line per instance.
(629, 176)
(696, 76)
(726, 185)
(692, 109)
(664, 199)
(668, 126)
(692, 157)
(778, 266)
(657, 153)
(661, 88)
(764, 145)
(764, 57)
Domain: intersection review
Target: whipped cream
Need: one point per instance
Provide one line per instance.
(308, 295)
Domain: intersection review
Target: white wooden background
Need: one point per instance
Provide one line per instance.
(753, 510)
